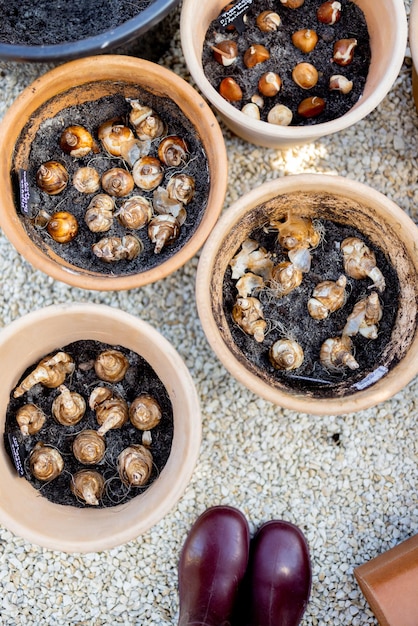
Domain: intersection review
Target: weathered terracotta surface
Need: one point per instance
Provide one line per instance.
(90, 79)
(413, 44)
(386, 21)
(72, 529)
(326, 197)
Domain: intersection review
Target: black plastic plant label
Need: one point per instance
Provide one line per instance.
(18, 454)
(24, 193)
(235, 15)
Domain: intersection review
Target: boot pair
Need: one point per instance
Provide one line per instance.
(226, 580)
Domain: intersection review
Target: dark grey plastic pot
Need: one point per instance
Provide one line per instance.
(148, 33)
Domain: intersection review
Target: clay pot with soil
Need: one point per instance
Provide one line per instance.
(307, 292)
(63, 517)
(42, 31)
(172, 166)
(318, 98)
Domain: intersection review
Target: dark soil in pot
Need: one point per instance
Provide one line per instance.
(287, 317)
(45, 147)
(140, 378)
(284, 56)
(48, 23)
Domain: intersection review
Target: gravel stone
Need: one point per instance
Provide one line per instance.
(349, 482)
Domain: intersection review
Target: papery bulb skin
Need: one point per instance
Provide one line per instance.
(285, 277)
(336, 354)
(296, 231)
(163, 230)
(365, 317)
(286, 354)
(249, 284)
(111, 413)
(327, 297)
(99, 213)
(45, 462)
(52, 177)
(30, 419)
(86, 180)
(248, 314)
(135, 465)
(173, 151)
(113, 249)
(50, 371)
(360, 262)
(77, 141)
(62, 227)
(98, 395)
(113, 135)
(89, 447)
(88, 486)
(117, 182)
(111, 366)
(68, 407)
(162, 203)
(251, 258)
(135, 212)
(148, 173)
(145, 412)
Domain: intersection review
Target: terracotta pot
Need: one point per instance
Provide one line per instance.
(343, 201)
(387, 27)
(86, 80)
(142, 28)
(413, 44)
(73, 529)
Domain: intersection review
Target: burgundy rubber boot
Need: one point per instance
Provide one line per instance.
(279, 575)
(212, 565)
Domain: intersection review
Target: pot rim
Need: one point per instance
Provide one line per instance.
(413, 32)
(122, 34)
(400, 375)
(307, 133)
(120, 523)
(98, 69)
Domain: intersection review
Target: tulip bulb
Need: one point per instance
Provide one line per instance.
(77, 141)
(336, 354)
(296, 231)
(111, 413)
(88, 485)
(86, 180)
(360, 262)
(45, 462)
(112, 249)
(52, 177)
(30, 419)
(51, 372)
(145, 412)
(286, 354)
(327, 297)
(111, 366)
(248, 314)
(135, 465)
(69, 407)
(89, 447)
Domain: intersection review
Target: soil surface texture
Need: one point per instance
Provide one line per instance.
(49, 23)
(288, 317)
(91, 114)
(140, 378)
(284, 56)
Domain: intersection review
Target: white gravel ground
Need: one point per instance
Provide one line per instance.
(353, 500)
